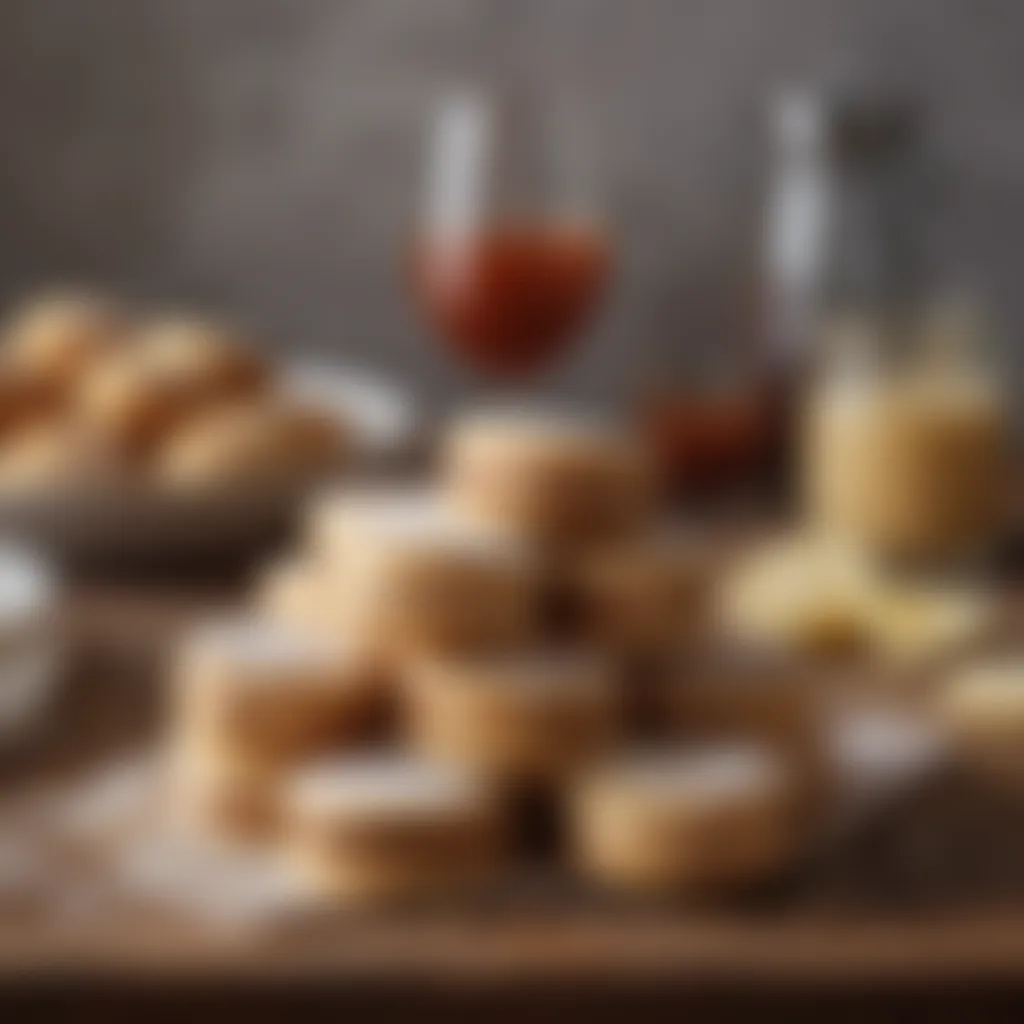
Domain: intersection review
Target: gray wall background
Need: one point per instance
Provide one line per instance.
(262, 156)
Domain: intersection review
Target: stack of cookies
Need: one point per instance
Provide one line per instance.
(528, 623)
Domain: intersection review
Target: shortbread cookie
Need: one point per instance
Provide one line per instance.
(696, 821)
(367, 830)
(416, 578)
(557, 479)
(263, 692)
(524, 717)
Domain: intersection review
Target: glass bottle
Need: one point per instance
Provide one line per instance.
(905, 438)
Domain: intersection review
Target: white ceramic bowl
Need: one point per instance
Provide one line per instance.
(31, 651)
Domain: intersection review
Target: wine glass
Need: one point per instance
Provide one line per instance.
(509, 255)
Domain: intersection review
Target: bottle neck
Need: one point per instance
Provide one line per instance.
(844, 232)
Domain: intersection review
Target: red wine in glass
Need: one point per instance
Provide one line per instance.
(509, 257)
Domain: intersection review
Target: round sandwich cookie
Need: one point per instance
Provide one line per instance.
(269, 693)
(381, 828)
(532, 716)
(558, 479)
(699, 821)
(416, 578)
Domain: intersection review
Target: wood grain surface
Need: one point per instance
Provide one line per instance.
(825, 927)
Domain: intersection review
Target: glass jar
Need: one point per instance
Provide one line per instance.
(907, 442)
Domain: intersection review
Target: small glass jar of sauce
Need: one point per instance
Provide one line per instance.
(908, 457)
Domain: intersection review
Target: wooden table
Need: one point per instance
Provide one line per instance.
(534, 944)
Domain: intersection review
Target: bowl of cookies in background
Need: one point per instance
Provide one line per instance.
(169, 439)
